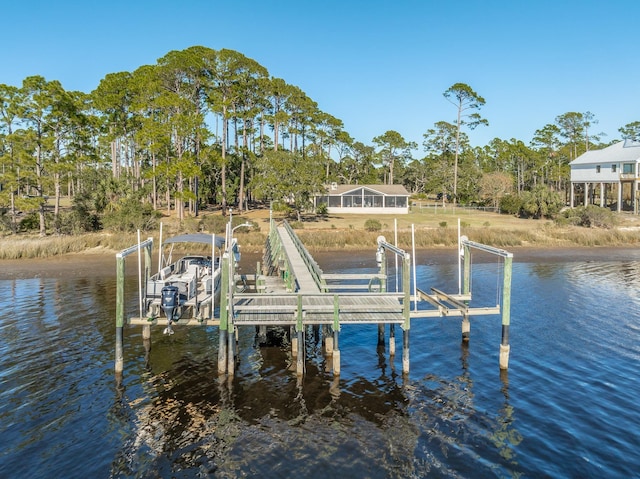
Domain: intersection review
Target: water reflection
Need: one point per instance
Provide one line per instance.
(566, 408)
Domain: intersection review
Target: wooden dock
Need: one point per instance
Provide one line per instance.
(289, 290)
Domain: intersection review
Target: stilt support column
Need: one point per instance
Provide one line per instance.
(466, 329)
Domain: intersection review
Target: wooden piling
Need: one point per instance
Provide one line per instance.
(231, 327)
(328, 340)
(406, 303)
(300, 357)
(505, 348)
(392, 339)
(300, 335)
(466, 329)
(466, 289)
(405, 351)
(336, 353)
(119, 360)
(223, 328)
(336, 335)
(231, 350)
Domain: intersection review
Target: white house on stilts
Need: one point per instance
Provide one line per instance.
(608, 177)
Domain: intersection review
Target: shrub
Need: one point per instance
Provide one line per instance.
(443, 224)
(372, 225)
(214, 224)
(590, 217)
(540, 202)
(322, 210)
(217, 224)
(510, 204)
(81, 218)
(5, 221)
(130, 215)
(30, 222)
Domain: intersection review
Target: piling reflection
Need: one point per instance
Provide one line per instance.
(193, 415)
(505, 436)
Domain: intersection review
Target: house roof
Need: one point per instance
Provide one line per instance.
(623, 151)
(397, 190)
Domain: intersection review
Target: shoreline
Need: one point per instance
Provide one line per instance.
(104, 262)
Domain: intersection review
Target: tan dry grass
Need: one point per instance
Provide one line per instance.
(347, 232)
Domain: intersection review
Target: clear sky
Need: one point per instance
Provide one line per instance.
(375, 65)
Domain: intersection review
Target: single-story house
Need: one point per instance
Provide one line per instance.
(607, 177)
(365, 199)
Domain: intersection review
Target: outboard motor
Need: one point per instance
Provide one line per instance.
(170, 306)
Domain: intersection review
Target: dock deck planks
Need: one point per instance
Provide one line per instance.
(279, 308)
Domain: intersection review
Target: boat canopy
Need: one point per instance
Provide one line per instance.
(196, 238)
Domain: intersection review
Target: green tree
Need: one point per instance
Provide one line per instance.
(466, 102)
(357, 165)
(40, 113)
(440, 145)
(572, 128)
(113, 100)
(392, 148)
(547, 143)
(10, 98)
(417, 176)
(631, 131)
(229, 72)
(284, 177)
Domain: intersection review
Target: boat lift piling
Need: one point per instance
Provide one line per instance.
(505, 308)
(120, 274)
(405, 265)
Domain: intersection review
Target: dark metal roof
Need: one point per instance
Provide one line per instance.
(196, 238)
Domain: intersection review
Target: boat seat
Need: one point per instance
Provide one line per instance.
(165, 272)
(192, 270)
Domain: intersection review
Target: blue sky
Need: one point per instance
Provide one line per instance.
(375, 65)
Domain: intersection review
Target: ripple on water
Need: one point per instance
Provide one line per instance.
(566, 407)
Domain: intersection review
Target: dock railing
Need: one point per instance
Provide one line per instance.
(311, 264)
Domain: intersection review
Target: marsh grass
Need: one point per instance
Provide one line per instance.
(13, 247)
(348, 233)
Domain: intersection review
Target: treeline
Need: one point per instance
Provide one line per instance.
(211, 128)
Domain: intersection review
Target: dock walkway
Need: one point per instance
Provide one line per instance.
(306, 282)
(311, 303)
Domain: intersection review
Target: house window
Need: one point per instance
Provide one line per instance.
(352, 201)
(396, 202)
(628, 168)
(597, 168)
(335, 201)
(613, 168)
(373, 200)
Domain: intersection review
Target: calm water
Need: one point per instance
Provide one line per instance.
(566, 408)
